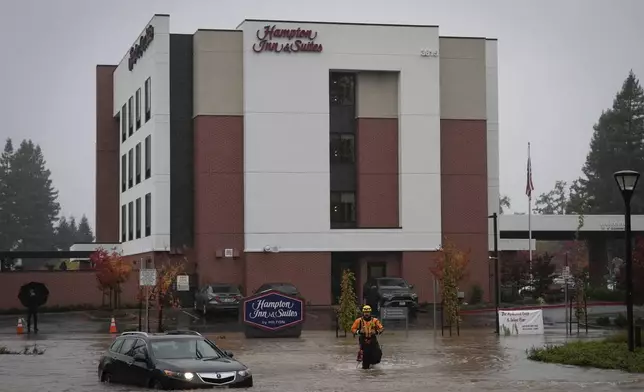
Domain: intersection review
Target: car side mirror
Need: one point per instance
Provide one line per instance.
(138, 357)
(411, 286)
(228, 353)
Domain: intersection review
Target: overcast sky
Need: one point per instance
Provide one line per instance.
(560, 65)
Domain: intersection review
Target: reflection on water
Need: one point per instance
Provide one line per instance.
(475, 361)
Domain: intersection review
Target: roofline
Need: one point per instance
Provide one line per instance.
(221, 30)
(335, 23)
(461, 37)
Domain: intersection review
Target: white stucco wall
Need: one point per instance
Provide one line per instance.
(286, 152)
(153, 64)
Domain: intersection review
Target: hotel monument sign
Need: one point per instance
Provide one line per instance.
(297, 40)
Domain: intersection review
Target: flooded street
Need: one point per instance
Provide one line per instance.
(475, 361)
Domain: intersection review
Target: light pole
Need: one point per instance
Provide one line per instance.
(627, 182)
(497, 298)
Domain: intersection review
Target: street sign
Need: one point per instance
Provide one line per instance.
(148, 277)
(566, 273)
(183, 283)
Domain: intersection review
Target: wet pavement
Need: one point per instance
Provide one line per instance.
(475, 361)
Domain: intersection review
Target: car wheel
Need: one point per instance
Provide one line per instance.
(156, 385)
(106, 378)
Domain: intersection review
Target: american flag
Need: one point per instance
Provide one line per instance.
(529, 186)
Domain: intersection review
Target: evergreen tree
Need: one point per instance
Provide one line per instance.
(8, 227)
(84, 233)
(617, 144)
(553, 202)
(64, 234)
(36, 208)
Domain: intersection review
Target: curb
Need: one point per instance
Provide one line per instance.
(534, 307)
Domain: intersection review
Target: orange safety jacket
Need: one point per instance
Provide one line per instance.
(367, 328)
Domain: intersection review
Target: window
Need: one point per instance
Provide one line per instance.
(138, 163)
(130, 221)
(343, 209)
(148, 214)
(148, 99)
(116, 345)
(138, 109)
(140, 348)
(126, 348)
(342, 148)
(123, 223)
(130, 168)
(342, 89)
(123, 123)
(138, 218)
(124, 173)
(148, 157)
(130, 116)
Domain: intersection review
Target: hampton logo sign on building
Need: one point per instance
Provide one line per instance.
(137, 50)
(272, 39)
(273, 310)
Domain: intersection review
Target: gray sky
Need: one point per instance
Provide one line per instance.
(560, 65)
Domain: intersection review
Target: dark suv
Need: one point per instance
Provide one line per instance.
(171, 360)
(395, 292)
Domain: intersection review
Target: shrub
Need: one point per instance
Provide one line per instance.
(348, 309)
(476, 297)
(603, 294)
(603, 321)
(604, 354)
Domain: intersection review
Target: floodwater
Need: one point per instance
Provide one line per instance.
(475, 361)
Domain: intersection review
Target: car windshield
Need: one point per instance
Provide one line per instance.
(398, 282)
(184, 349)
(223, 288)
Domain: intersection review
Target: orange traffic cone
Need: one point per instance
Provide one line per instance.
(19, 329)
(113, 326)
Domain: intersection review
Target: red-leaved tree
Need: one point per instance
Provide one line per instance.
(450, 269)
(111, 272)
(162, 293)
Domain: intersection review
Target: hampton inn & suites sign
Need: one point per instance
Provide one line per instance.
(272, 39)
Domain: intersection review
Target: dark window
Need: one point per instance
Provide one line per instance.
(130, 221)
(140, 348)
(123, 223)
(138, 109)
(130, 168)
(130, 109)
(116, 345)
(342, 148)
(126, 348)
(138, 163)
(342, 89)
(138, 218)
(148, 99)
(343, 209)
(123, 123)
(148, 157)
(148, 214)
(124, 173)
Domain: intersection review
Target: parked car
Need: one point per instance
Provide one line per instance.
(395, 292)
(286, 288)
(171, 360)
(218, 297)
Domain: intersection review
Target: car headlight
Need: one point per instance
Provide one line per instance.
(186, 376)
(243, 373)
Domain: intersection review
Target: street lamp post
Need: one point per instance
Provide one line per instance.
(497, 296)
(627, 182)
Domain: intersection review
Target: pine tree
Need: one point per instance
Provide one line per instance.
(617, 144)
(36, 207)
(8, 227)
(84, 233)
(64, 234)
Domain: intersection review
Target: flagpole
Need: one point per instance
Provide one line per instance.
(530, 212)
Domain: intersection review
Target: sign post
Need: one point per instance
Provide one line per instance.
(566, 276)
(147, 278)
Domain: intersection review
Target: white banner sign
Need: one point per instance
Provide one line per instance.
(521, 322)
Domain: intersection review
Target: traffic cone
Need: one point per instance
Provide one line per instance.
(19, 329)
(113, 326)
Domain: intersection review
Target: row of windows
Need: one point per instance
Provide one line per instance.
(343, 209)
(131, 165)
(130, 112)
(131, 219)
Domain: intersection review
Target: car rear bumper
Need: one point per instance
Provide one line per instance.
(223, 306)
